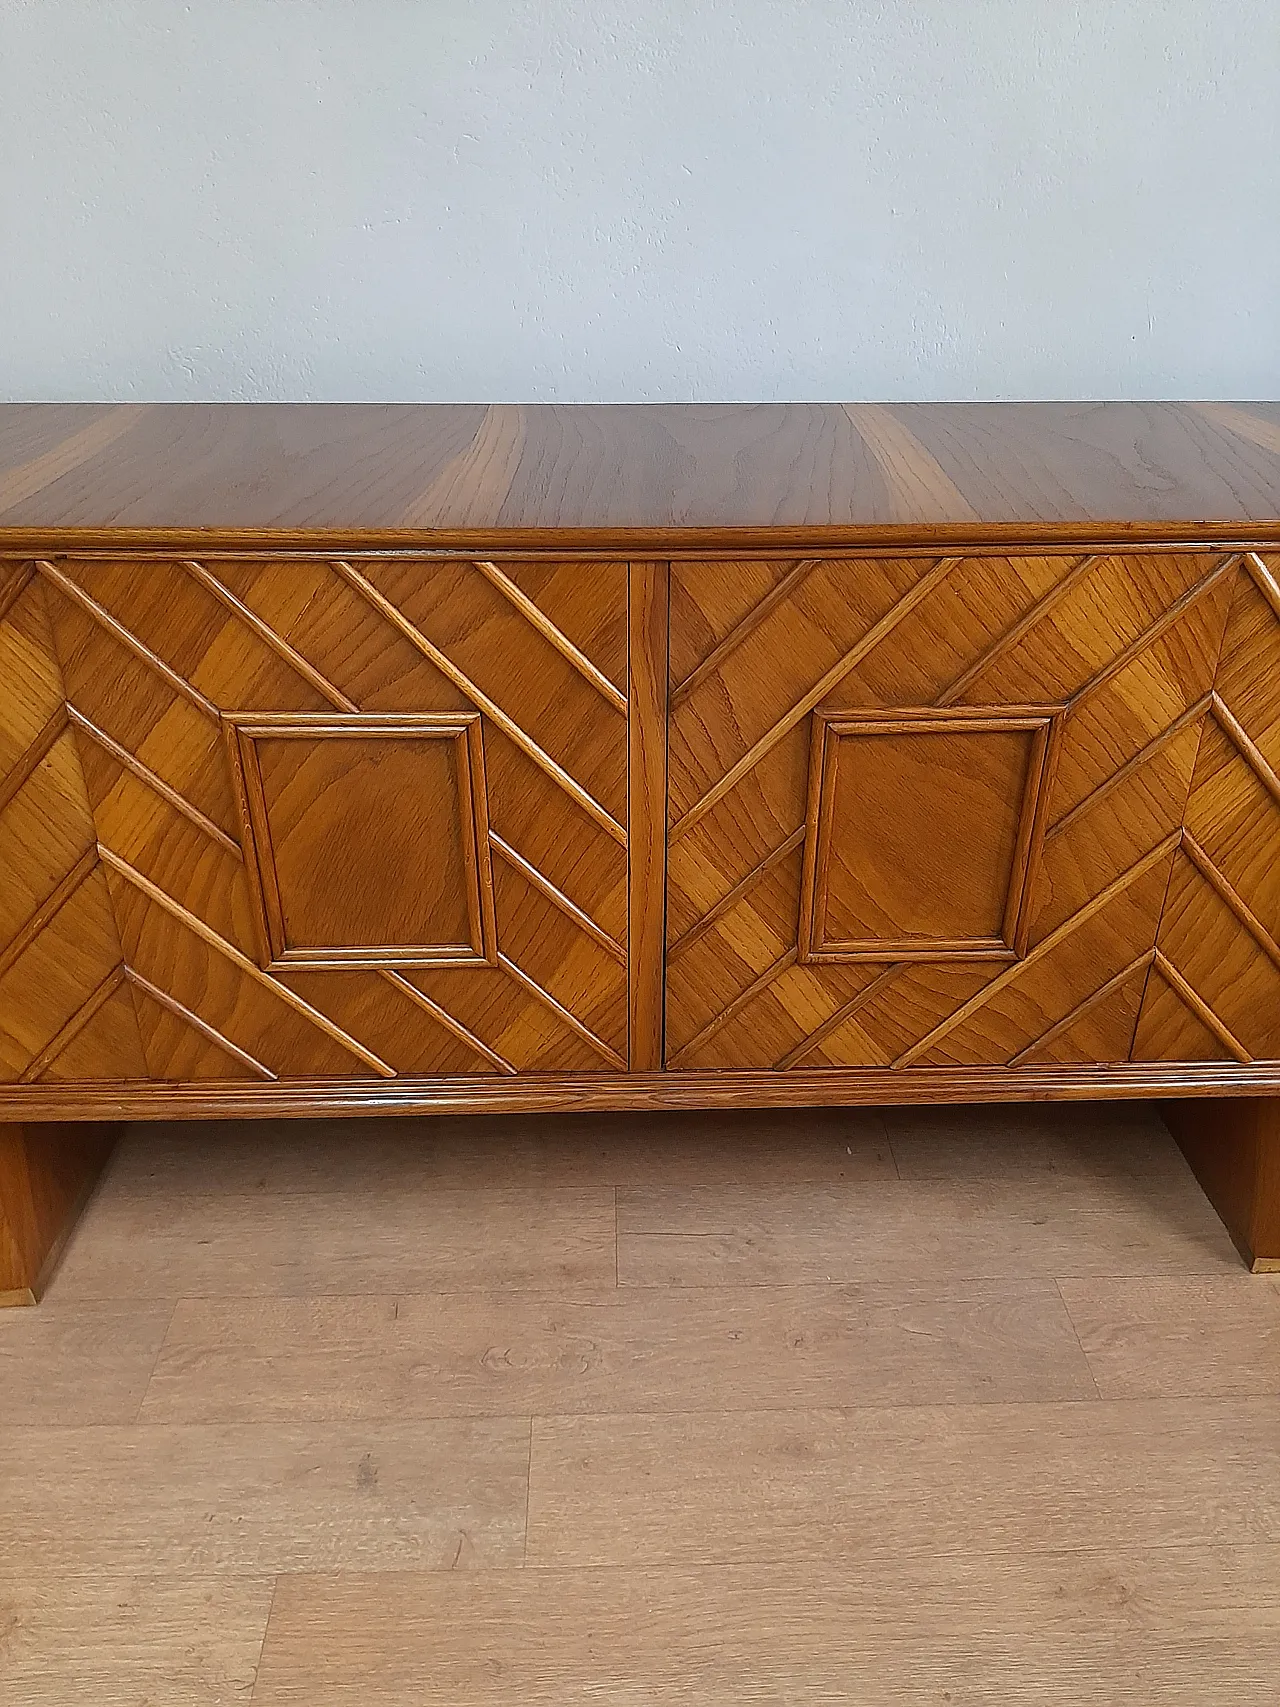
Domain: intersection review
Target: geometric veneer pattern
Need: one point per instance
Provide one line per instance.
(1164, 669)
(120, 813)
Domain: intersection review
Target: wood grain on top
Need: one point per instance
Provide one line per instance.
(511, 468)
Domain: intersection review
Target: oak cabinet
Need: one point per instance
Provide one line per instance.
(488, 757)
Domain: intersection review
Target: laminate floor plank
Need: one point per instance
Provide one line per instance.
(918, 1229)
(381, 1239)
(1106, 1140)
(258, 1501)
(1184, 1627)
(1167, 1337)
(833, 1439)
(108, 1640)
(744, 1147)
(88, 1363)
(857, 1486)
(629, 1349)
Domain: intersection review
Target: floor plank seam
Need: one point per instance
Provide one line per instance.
(164, 1340)
(262, 1645)
(1088, 1361)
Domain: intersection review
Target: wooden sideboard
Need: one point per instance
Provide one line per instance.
(448, 757)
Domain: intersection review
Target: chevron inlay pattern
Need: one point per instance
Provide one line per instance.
(1211, 994)
(1157, 678)
(130, 943)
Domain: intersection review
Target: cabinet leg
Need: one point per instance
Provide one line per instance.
(47, 1170)
(1233, 1146)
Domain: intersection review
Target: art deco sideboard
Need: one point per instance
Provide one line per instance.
(441, 758)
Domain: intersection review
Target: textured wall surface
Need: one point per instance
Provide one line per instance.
(602, 199)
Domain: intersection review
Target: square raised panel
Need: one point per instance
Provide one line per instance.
(922, 831)
(366, 838)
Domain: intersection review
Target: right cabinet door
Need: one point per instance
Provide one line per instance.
(984, 809)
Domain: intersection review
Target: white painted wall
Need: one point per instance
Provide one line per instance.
(602, 199)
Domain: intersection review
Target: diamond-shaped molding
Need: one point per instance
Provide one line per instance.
(947, 879)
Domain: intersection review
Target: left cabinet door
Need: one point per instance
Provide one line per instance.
(323, 817)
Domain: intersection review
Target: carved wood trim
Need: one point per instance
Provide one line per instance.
(73, 1027)
(117, 630)
(1018, 630)
(648, 611)
(1060, 1027)
(207, 1031)
(206, 578)
(134, 765)
(798, 573)
(1199, 1007)
(34, 756)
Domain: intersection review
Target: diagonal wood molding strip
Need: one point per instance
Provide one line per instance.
(748, 624)
(538, 619)
(443, 1017)
(34, 757)
(1063, 1025)
(14, 588)
(846, 1011)
(1162, 850)
(117, 630)
(1231, 896)
(135, 766)
(510, 728)
(1200, 1008)
(67, 1033)
(269, 636)
(210, 1032)
(521, 977)
(242, 962)
(1019, 630)
(878, 632)
(729, 901)
(558, 898)
(1126, 770)
(48, 909)
(782, 964)
(1248, 749)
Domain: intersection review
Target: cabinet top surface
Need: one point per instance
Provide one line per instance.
(513, 469)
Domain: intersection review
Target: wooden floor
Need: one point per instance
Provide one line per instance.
(935, 1407)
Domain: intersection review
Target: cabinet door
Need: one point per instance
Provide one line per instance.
(360, 817)
(1214, 990)
(924, 810)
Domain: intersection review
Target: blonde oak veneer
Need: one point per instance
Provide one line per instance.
(428, 758)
